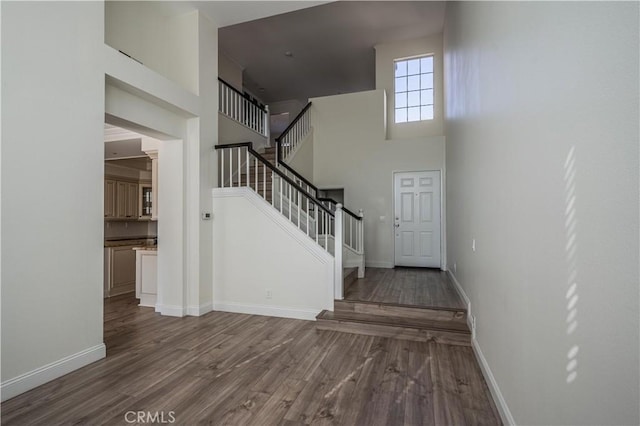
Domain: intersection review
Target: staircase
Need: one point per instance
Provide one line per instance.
(337, 230)
(440, 325)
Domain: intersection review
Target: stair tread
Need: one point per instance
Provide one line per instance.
(422, 324)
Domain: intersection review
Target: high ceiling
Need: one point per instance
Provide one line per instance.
(326, 49)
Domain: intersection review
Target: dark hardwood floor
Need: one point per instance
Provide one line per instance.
(406, 286)
(235, 369)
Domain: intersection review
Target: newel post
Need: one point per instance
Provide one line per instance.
(361, 243)
(337, 253)
(266, 128)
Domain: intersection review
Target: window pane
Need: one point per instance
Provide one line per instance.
(426, 81)
(401, 115)
(426, 97)
(414, 99)
(401, 100)
(413, 66)
(426, 64)
(413, 114)
(414, 83)
(426, 112)
(401, 68)
(401, 84)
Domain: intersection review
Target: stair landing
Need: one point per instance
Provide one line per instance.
(403, 303)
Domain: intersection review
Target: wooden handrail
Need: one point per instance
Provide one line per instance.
(249, 146)
(298, 175)
(262, 108)
(346, 210)
(293, 123)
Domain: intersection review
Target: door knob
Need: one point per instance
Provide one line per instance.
(397, 225)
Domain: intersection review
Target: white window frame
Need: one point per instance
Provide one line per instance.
(414, 89)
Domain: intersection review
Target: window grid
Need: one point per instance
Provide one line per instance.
(414, 89)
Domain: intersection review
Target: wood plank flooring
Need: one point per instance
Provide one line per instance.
(235, 369)
(406, 286)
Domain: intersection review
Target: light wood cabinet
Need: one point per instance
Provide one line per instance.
(121, 199)
(132, 201)
(120, 268)
(110, 198)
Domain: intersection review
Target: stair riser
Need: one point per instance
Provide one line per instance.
(418, 335)
(455, 316)
(350, 276)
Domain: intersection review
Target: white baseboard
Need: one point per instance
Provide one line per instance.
(44, 374)
(270, 311)
(498, 399)
(148, 300)
(374, 264)
(501, 404)
(197, 311)
(171, 310)
(466, 300)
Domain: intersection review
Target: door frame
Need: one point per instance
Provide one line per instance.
(443, 253)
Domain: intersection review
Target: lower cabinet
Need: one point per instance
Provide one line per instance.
(120, 270)
(146, 277)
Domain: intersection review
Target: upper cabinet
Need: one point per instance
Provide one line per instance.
(110, 188)
(121, 200)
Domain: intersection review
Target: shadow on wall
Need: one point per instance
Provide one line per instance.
(571, 249)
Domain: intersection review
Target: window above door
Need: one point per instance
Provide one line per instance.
(413, 89)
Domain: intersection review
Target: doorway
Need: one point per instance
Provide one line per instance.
(417, 231)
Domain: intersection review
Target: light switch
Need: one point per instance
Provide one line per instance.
(383, 218)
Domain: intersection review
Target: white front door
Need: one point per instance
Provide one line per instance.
(417, 219)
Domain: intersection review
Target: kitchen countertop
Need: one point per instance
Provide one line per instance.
(129, 241)
(146, 248)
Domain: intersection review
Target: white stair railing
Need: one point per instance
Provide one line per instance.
(238, 107)
(241, 166)
(289, 140)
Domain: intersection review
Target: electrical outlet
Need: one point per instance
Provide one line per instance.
(269, 294)
(455, 268)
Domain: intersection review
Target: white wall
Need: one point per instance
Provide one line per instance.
(52, 102)
(350, 151)
(302, 159)
(229, 70)
(154, 35)
(386, 54)
(140, 96)
(206, 178)
(257, 249)
(230, 131)
(542, 170)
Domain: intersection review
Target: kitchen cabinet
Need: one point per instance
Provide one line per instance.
(145, 200)
(120, 270)
(146, 276)
(120, 199)
(127, 200)
(110, 188)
